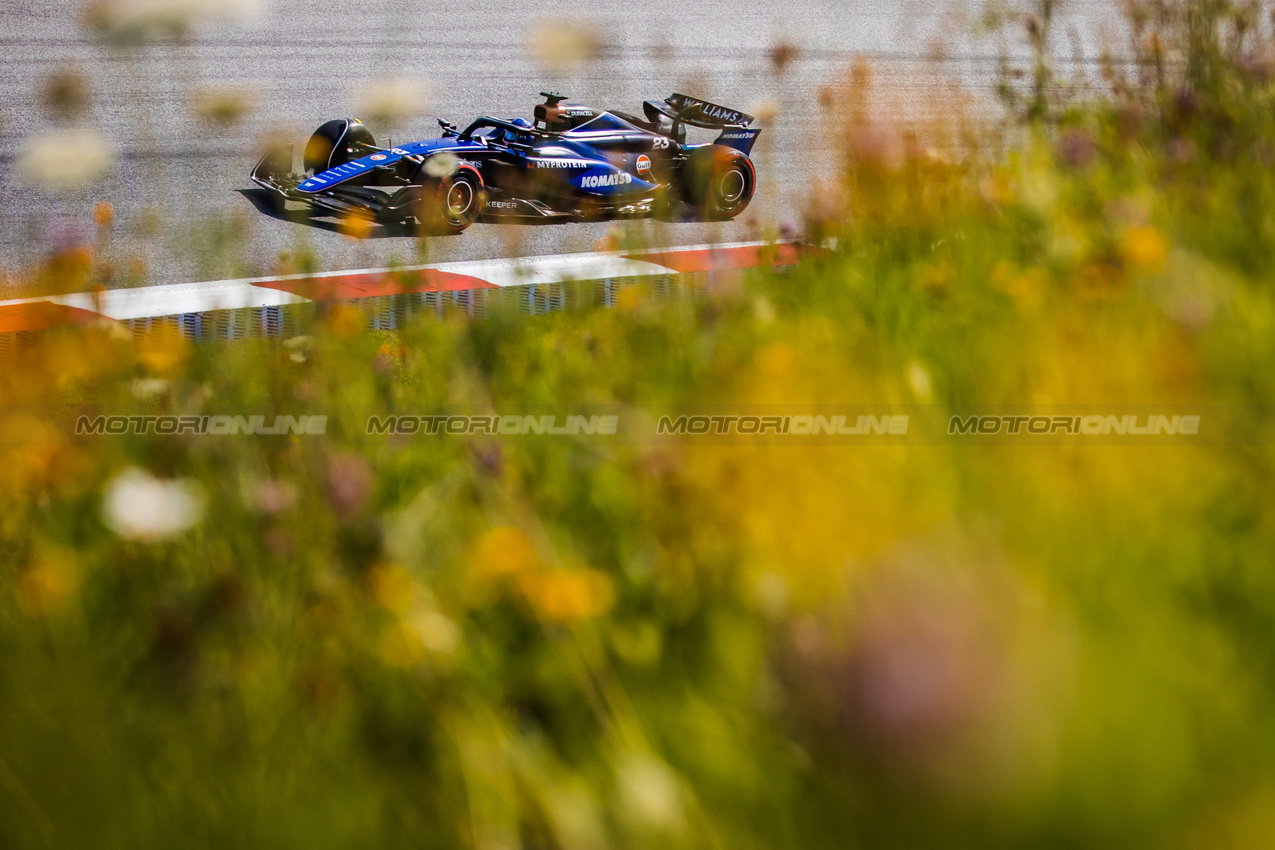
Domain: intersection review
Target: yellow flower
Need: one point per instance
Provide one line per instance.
(567, 596)
(630, 298)
(1143, 249)
(346, 321)
(503, 552)
(163, 349)
(394, 588)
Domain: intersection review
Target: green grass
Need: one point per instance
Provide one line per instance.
(476, 642)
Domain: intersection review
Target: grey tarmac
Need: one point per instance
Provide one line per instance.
(184, 206)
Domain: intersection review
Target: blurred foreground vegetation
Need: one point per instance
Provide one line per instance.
(574, 643)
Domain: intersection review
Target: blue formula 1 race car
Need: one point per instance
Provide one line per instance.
(574, 162)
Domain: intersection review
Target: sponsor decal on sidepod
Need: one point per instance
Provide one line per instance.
(599, 181)
(562, 163)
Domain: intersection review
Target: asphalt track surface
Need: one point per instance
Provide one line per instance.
(185, 207)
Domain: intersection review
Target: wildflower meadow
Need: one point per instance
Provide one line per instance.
(475, 640)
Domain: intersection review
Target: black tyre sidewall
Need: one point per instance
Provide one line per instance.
(432, 209)
(703, 177)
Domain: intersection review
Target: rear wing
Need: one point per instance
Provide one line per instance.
(683, 109)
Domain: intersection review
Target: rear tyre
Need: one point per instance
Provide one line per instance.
(336, 143)
(718, 182)
(450, 204)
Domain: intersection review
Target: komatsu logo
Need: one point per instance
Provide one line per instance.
(599, 181)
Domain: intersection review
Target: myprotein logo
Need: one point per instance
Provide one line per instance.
(561, 163)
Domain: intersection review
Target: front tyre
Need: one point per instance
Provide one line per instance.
(450, 204)
(718, 182)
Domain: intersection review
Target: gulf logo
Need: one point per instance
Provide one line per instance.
(379, 157)
(643, 164)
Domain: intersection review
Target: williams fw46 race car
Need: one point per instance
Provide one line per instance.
(574, 162)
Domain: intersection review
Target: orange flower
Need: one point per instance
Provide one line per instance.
(387, 350)
(355, 225)
(1143, 249)
(49, 584)
(104, 214)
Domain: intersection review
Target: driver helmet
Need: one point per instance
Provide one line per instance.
(521, 123)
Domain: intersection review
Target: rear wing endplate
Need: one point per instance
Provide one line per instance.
(738, 138)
